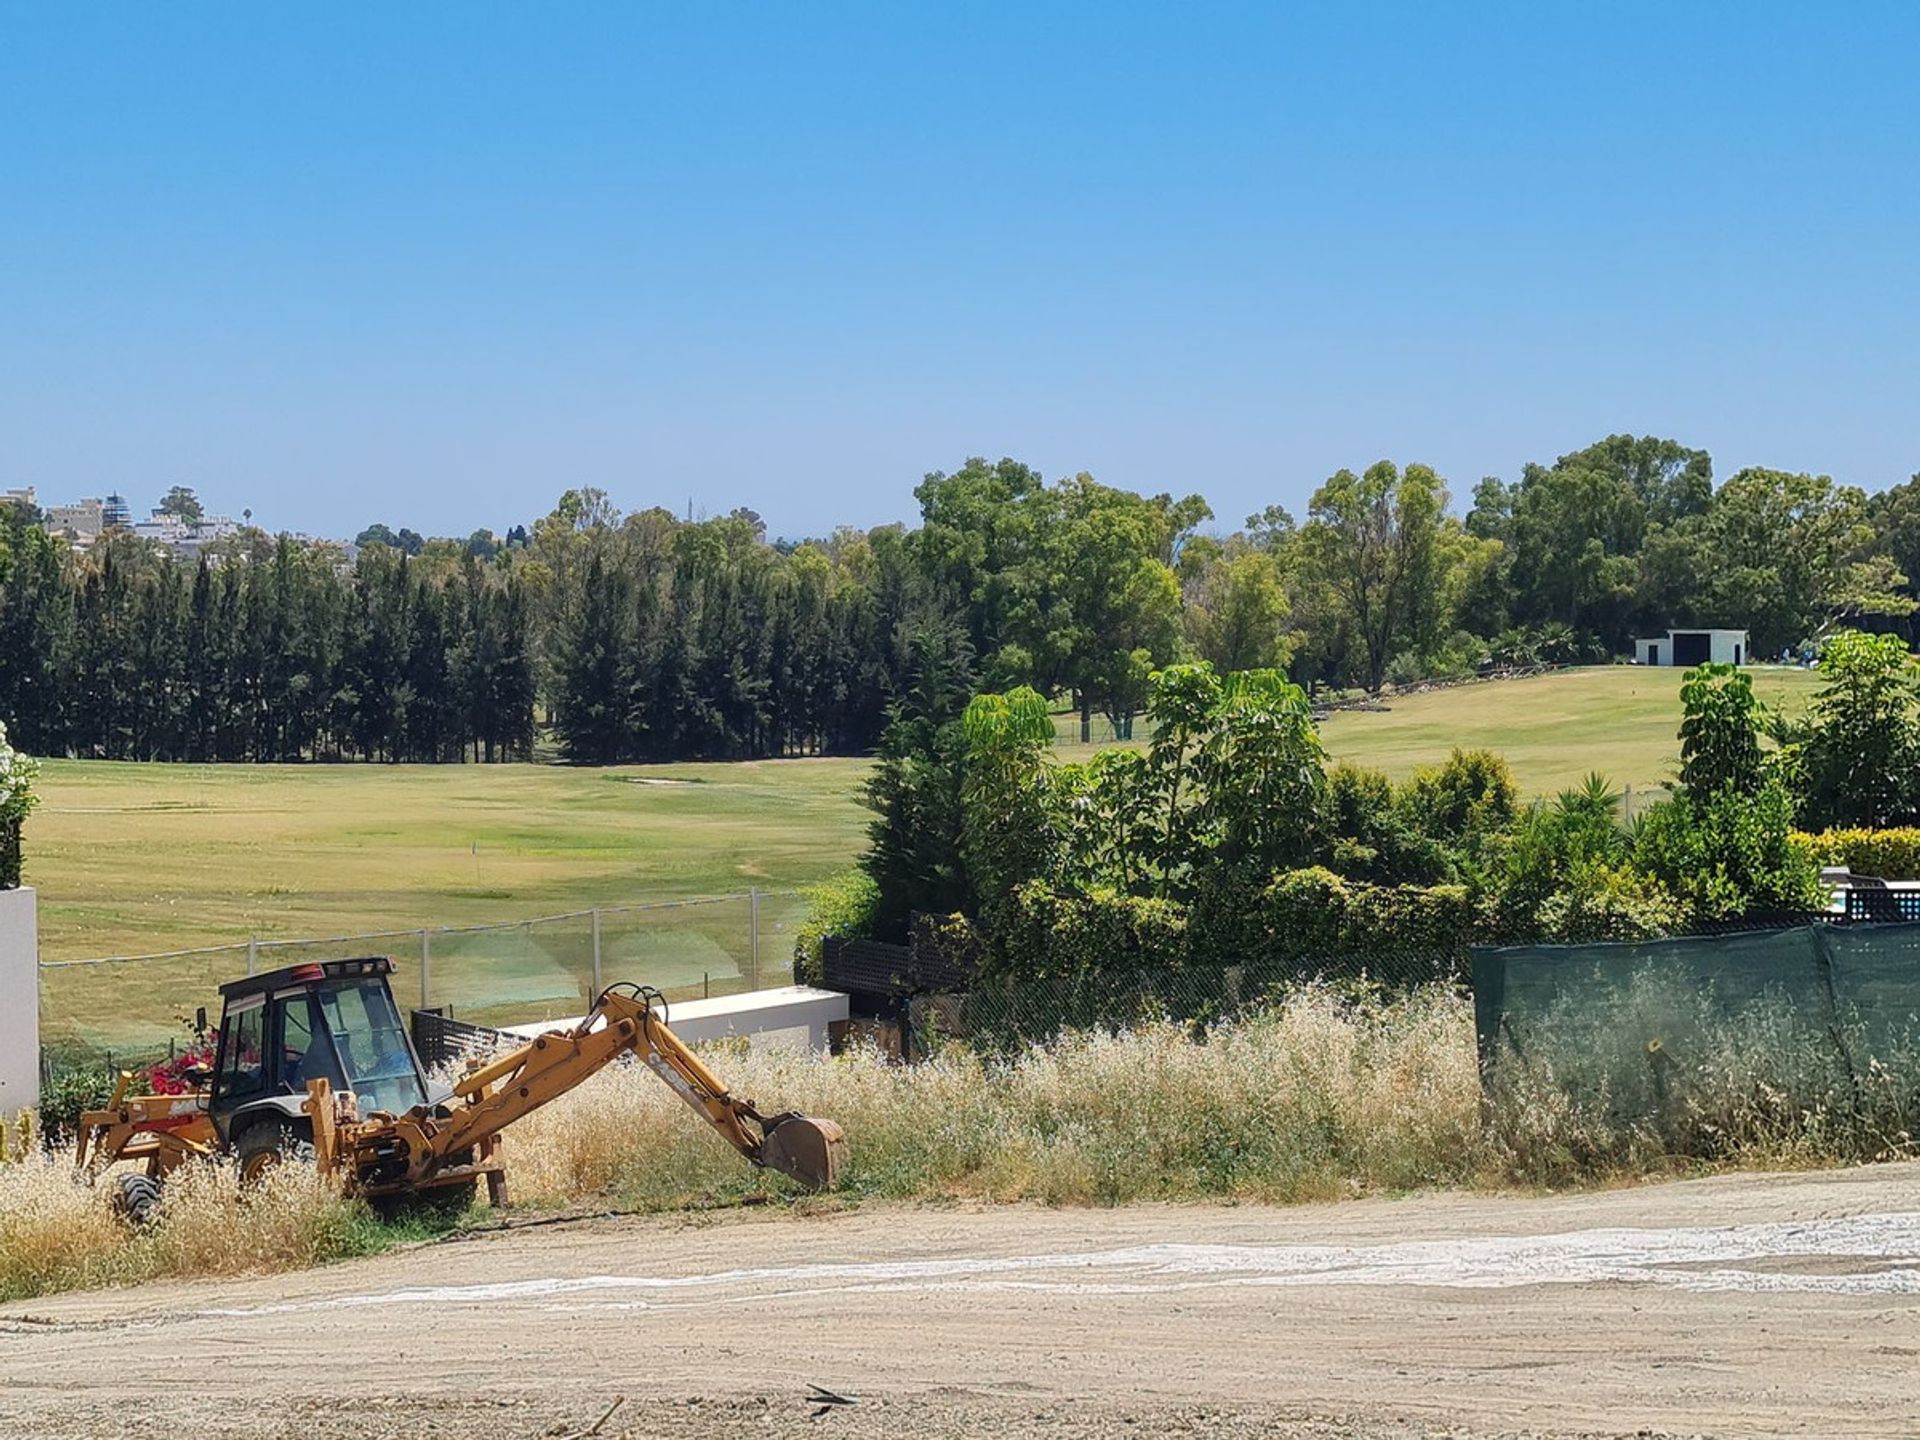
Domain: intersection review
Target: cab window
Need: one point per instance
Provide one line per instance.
(243, 1053)
(303, 1055)
(372, 1041)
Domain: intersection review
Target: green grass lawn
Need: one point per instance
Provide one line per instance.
(137, 858)
(1621, 720)
(131, 859)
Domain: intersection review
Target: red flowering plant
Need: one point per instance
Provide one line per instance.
(169, 1077)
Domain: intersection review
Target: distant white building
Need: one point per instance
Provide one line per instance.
(25, 496)
(84, 519)
(1687, 648)
(185, 538)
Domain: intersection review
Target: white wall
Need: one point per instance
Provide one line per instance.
(19, 1001)
(1725, 643)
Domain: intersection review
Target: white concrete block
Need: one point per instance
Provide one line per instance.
(19, 1001)
(787, 1016)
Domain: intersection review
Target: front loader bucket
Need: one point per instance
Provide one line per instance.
(808, 1150)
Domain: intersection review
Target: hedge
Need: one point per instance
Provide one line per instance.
(1888, 854)
(1305, 921)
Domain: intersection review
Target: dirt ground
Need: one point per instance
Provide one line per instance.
(1742, 1305)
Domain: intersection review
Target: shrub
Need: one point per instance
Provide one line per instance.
(1051, 933)
(67, 1093)
(1566, 843)
(846, 906)
(1342, 926)
(1889, 854)
(1729, 855)
(17, 774)
(1598, 901)
(1371, 839)
(1719, 732)
(1862, 748)
(1463, 801)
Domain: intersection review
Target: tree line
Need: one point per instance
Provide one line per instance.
(646, 636)
(272, 650)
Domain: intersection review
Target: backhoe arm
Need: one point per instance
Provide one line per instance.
(622, 1021)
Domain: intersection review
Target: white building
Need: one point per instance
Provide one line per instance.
(84, 519)
(1687, 648)
(25, 496)
(185, 538)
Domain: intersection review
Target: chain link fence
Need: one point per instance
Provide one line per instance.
(544, 968)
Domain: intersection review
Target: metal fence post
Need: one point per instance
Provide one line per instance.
(426, 969)
(753, 933)
(596, 954)
(253, 955)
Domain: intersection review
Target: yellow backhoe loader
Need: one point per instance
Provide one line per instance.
(315, 1060)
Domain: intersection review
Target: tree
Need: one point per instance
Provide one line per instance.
(1575, 529)
(1370, 539)
(1861, 756)
(914, 855)
(1095, 605)
(181, 501)
(1237, 611)
(976, 526)
(1792, 555)
(592, 669)
(1719, 732)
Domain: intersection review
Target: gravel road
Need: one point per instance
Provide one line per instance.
(1740, 1305)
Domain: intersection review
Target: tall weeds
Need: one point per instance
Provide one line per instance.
(57, 1233)
(1324, 1095)
(1320, 1097)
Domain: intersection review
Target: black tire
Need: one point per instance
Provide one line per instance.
(275, 1142)
(136, 1199)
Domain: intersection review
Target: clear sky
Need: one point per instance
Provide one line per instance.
(432, 264)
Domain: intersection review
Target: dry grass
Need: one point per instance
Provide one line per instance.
(59, 1234)
(1319, 1098)
(1324, 1096)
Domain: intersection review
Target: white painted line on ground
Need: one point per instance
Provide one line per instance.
(1862, 1255)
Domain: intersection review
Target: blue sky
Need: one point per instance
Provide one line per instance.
(432, 264)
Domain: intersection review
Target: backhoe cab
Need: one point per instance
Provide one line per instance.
(315, 1061)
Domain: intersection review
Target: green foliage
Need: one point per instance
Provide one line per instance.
(1048, 932)
(1259, 777)
(848, 905)
(1371, 542)
(1861, 754)
(17, 799)
(1371, 837)
(1729, 855)
(1892, 854)
(1462, 803)
(66, 1094)
(914, 856)
(1719, 732)
(1308, 921)
(1601, 901)
(1792, 554)
(1008, 825)
(1237, 611)
(1572, 845)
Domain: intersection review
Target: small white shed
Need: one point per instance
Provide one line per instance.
(1687, 648)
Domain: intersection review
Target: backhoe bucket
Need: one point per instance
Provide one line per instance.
(808, 1150)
